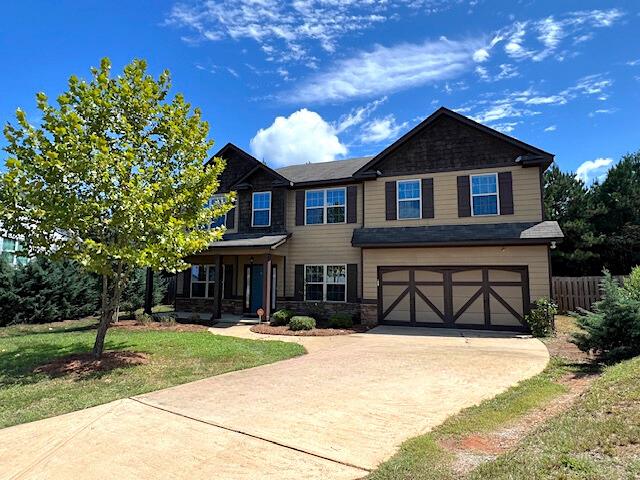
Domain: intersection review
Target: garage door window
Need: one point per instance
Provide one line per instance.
(484, 194)
(325, 283)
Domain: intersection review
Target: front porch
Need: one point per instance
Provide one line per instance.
(236, 277)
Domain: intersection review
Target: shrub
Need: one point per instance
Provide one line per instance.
(612, 330)
(540, 318)
(632, 283)
(302, 323)
(281, 317)
(341, 320)
(144, 319)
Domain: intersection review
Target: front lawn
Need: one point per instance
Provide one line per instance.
(173, 357)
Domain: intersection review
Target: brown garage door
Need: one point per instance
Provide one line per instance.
(491, 297)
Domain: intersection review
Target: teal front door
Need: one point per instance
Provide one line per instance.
(254, 278)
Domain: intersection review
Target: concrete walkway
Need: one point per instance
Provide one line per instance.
(336, 412)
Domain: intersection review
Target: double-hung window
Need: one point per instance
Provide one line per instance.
(409, 199)
(203, 280)
(325, 206)
(484, 195)
(326, 283)
(261, 209)
(217, 199)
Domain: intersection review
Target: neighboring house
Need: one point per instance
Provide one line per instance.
(445, 227)
(10, 250)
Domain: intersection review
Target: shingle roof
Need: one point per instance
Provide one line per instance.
(250, 240)
(314, 172)
(529, 232)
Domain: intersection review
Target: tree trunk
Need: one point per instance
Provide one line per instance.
(110, 303)
(105, 319)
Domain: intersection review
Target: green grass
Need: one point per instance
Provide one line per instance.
(423, 458)
(175, 357)
(597, 438)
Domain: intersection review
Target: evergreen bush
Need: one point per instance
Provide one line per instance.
(612, 329)
(302, 323)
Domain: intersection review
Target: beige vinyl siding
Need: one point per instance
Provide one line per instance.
(526, 199)
(533, 256)
(321, 244)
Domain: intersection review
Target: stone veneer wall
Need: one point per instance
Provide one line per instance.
(366, 314)
(321, 310)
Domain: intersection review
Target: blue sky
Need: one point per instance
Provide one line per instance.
(316, 80)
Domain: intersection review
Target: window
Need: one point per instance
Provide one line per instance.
(325, 206)
(8, 250)
(325, 283)
(409, 199)
(203, 280)
(484, 194)
(215, 200)
(261, 215)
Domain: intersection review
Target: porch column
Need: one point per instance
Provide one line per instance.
(217, 295)
(148, 292)
(267, 287)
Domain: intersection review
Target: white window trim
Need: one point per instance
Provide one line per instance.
(409, 180)
(207, 282)
(497, 194)
(254, 209)
(324, 281)
(325, 206)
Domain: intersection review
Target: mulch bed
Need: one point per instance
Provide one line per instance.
(316, 332)
(85, 364)
(172, 327)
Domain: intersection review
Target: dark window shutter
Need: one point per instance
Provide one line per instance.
(352, 203)
(352, 282)
(506, 193)
(231, 218)
(298, 285)
(300, 207)
(464, 197)
(427, 198)
(228, 281)
(390, 200)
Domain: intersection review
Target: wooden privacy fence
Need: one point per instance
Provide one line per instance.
(571, 293)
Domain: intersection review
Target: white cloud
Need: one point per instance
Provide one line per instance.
(289, 30)
(551, 128)
(592, 169)
(601, 111)
(357, 115)
(304, 136)
(518, 104)
(633, 63)
(480, 55)
(381, 129)
(538, 39)
(387, 69)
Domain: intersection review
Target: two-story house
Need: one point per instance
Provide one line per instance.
(445, 227)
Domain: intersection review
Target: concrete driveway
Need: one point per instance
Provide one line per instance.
(336, 412)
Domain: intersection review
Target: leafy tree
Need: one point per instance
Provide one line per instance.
(112, 178)
(568, 201)
(617, 215)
